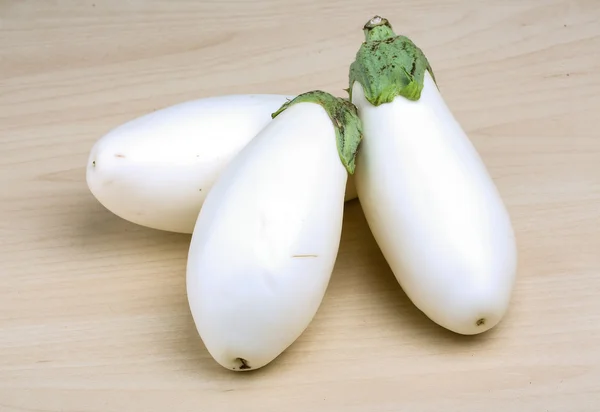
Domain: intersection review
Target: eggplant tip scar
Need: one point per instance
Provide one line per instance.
(244, 364)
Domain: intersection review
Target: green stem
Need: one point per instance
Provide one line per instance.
(345, 120)
(378, 28)
(388, 65)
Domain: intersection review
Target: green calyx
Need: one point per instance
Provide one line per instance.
(343, 115)
(388, 65)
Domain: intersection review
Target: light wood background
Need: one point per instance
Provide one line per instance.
(93, 312)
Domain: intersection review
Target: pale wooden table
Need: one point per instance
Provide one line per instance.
(93, 312)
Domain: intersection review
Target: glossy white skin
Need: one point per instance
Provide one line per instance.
(266, 240)
(156, 170)
(434, 211)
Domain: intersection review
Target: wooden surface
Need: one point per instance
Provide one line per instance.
(93, 312)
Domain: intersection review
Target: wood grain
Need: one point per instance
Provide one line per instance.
(93, 312)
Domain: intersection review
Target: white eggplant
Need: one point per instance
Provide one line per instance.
(156, 170)
(267, 237)
(429, 201)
